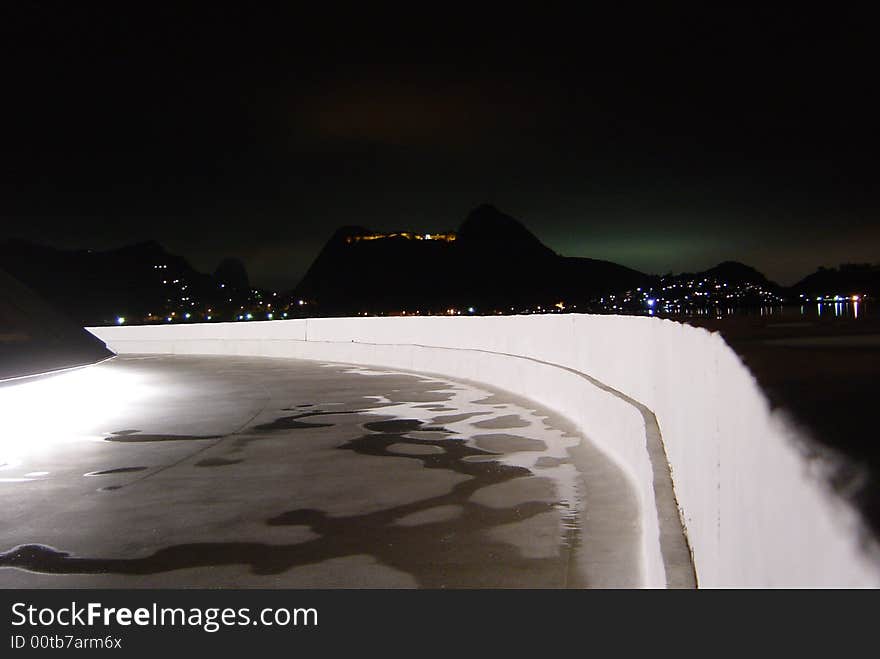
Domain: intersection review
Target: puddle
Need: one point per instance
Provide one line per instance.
(120, 470)
(289, 423)
(132, 436)
(508, 443)
(453, 539)
(503, 422)
(217, 462)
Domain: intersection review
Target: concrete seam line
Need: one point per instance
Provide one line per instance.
(675, 548)
(206, 447)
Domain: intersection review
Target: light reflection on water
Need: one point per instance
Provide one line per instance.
(847, 309)
(854, 309)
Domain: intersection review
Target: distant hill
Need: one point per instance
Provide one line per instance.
(735, 272)
(488, 232)
(232, 272)
(492, 261)
(848, 279)
(97, 287)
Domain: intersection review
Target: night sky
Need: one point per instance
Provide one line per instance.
(665, 142)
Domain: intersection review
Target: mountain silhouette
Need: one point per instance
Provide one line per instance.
(231, 271)
(484, 229)
(493, 262)
(134, 281)
(848, 279)
(734, 272)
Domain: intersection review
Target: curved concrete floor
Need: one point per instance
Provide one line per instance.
(149, 471)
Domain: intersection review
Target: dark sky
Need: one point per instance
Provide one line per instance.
(662, 141)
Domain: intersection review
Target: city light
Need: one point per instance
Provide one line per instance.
(669, 295)
(408, 235)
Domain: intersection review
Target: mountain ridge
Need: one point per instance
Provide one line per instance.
(492, 261)
(493, 264)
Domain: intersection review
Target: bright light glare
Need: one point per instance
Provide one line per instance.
(73, 406)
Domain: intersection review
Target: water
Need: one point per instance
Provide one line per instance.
(840, 310)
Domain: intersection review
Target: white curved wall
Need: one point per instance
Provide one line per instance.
(756, 509)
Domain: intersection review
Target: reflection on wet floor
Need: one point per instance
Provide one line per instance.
(216, 462)
(507, 516)
(503, 422)
(291, 423)
(137, 436)
(119, 470)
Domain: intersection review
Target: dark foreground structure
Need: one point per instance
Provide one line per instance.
(34, 338)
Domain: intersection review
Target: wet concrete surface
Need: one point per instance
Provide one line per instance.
(162, 471)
